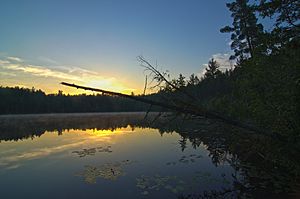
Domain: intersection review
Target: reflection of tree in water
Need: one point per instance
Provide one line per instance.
(182, 143)
(268, 165)
(192, 158)
(265, 166)
(24, 127)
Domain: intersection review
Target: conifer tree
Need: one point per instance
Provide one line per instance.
(194, 80)
(246, 32)
(212, 71)
(287, 20)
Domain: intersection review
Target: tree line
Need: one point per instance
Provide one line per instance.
(16, 100)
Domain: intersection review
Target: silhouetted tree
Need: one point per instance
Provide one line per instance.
(193, 80)
(286, 12)
(246, 32)
(212, 70)
(22, 100)
(182, 143)
(181, 81)
(287, 25)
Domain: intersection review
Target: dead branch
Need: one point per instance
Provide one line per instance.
(194, 111)
(145, 88)
(137, 98)
(160, 77)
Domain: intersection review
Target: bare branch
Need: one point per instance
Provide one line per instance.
(160, 76)
(192, 111)
(145, 85)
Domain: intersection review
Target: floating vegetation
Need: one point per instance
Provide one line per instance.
(104, 149)
(108, 171)
(92, 151)
(157, 182)
(186, 159)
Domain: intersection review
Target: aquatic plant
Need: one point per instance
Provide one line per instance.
(108, 171)
(92, 151)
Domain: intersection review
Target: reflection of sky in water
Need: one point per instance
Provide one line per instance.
(124, 163)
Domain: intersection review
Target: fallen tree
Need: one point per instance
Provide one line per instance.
(188, 109)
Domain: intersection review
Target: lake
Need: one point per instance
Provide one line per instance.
(128, 155)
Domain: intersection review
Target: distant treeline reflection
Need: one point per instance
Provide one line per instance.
(14, 128)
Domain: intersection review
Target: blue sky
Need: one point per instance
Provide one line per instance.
(104, 37)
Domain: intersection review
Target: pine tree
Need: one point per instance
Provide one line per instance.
(194, 80)
(212, 71)
(246, 32)
(287, 12)
(181, 81)
(287, 20)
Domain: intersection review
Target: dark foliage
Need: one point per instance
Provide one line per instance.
(263, 89)
(23, 101)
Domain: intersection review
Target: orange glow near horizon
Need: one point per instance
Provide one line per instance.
(108, 133)
(114, 88)
(22, 74)
(56, 86)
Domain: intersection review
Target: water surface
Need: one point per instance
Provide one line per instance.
(115, 156)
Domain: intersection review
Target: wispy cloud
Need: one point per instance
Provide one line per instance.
(59, 72)
(41, 71)
(2, 73)
(4, 62)
(75, 70)
(15, 67)
(15, 161)
(48, 60)
(16, 59)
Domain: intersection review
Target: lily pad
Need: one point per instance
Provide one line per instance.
(109, 171)
(92, 151)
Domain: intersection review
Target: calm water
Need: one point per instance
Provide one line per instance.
(113, 156)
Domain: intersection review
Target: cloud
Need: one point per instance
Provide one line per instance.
(10, 67)
(18, 71)
(75, 70)
(41, 71)
(2, 62)
(59, 72)
(2, 73)
(14, 161)
(48, 60)
(15, 166)
(68, 69)
(222, 60)
(15, 59)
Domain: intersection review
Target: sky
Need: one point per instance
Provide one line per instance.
(96, 43)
